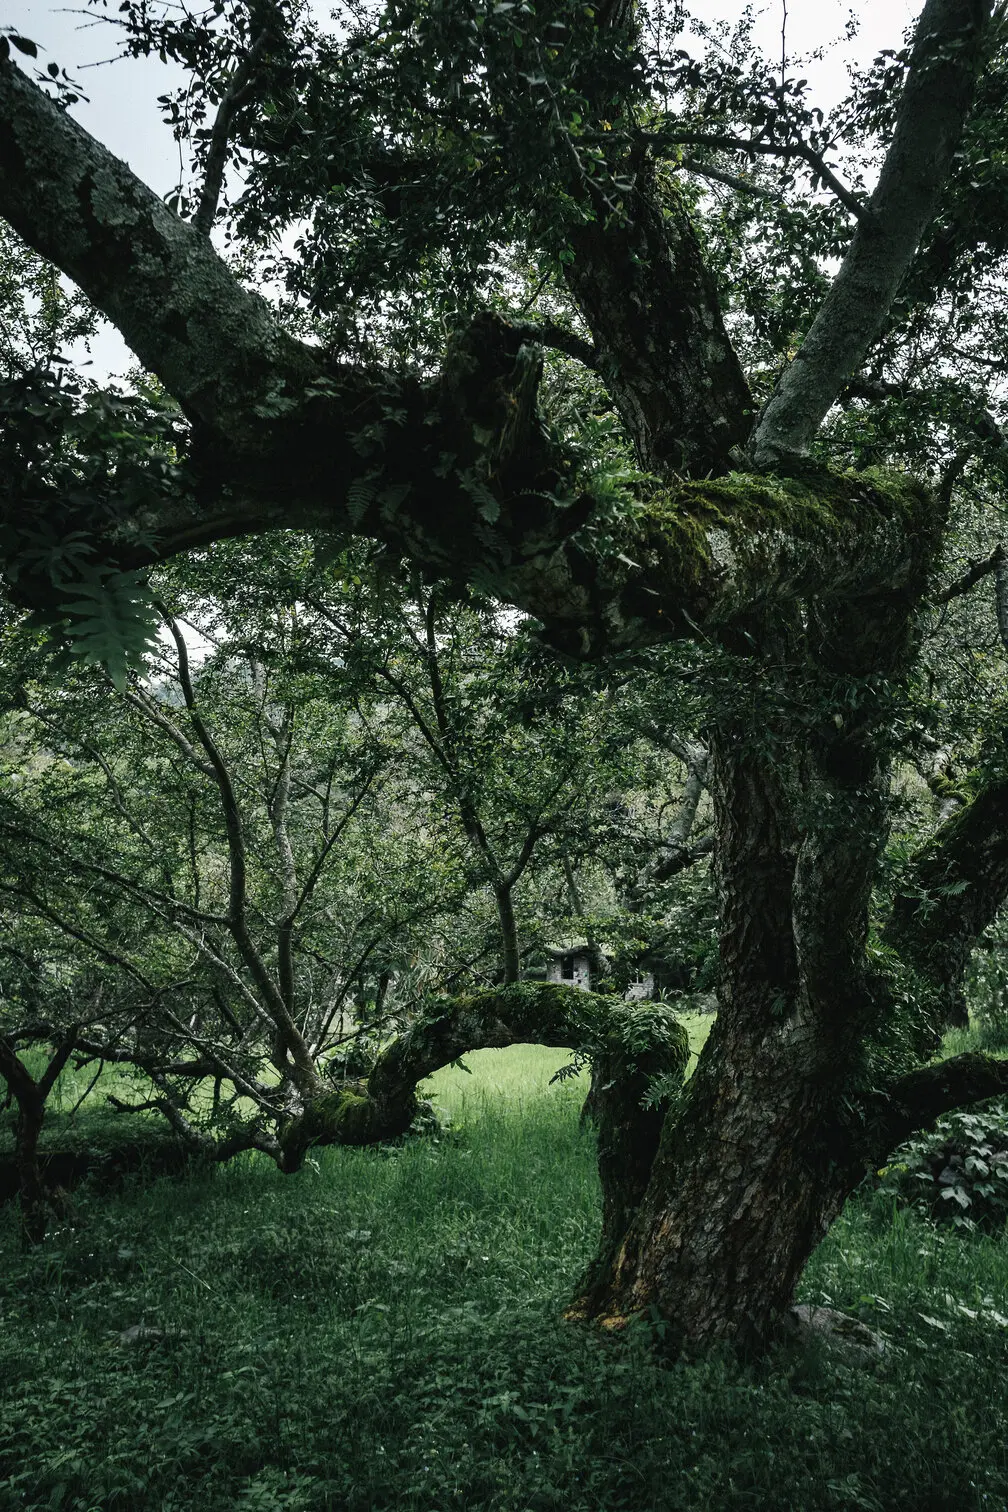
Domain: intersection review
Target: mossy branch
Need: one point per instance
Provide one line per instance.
(457, 473)
(635, 1042)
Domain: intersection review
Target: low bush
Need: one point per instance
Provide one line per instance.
(958, 1172)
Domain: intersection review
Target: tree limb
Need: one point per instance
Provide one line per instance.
(156, 278)
(755, 147)
(282, 440)
(944, 66)
(235, 96)
(652, 306)
(730, 180)
(916, 1100)
(951, 891)
(550, 333)
(974, 573)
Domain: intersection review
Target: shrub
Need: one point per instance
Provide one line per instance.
(958, 1172)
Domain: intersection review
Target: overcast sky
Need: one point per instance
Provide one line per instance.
(120, 109)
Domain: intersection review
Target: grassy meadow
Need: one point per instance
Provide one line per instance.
(382, 1333)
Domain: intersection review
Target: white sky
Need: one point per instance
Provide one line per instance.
(121, 110)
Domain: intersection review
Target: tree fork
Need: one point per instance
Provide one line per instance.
(283, 439)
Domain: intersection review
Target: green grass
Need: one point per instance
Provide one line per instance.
(382, 1333)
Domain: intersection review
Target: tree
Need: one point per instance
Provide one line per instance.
(521, 751)
(245, 853)
(414, 147)
(228, 846)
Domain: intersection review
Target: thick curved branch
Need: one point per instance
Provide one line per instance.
(457, 474)
(915, 1101)
(631, 1044)
(973, 575)
(217, 347)
(944, 66)
(953, 889)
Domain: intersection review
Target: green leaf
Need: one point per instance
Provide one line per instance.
(112, 623)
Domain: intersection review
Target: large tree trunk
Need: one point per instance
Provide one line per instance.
(764, 1146)
(728, 1221)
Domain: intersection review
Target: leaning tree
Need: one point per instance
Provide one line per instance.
(551, 176)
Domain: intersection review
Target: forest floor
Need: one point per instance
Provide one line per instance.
(383, 1333)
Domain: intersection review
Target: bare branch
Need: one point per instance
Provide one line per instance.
(756, 147)
(973, 575)
(235, 96)
(273, 998)
(146, 706)
(730, 180)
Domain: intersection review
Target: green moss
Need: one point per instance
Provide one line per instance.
(648, 1033)
(345, 1116)
(677, 527)
(341, 1117)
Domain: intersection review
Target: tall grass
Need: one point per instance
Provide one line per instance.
(382, 1333)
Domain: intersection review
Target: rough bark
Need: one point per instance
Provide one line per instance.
(727, 1224)
(716, 1242)
(32, 1192)
(155, 277)
(641, 285)
(944, 65)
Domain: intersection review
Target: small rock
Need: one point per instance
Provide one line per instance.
(838, 1327)
(149, 1333)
